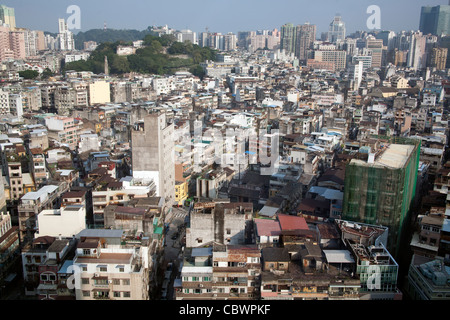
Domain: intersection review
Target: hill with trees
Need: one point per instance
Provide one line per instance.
(159, 55)
(110, 35)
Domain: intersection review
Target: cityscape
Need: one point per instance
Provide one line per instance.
(300, 162)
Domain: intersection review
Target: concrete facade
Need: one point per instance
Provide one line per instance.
(153, 158)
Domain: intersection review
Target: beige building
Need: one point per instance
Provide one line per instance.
(337, 57)
(99, 92)
(108, 271)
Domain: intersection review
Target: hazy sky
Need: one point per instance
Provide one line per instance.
(218, 15)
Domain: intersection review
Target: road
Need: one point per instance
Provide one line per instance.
(173, 245)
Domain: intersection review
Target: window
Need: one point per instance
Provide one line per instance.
(126, 282)
(86, 251)
(116, 282)
(126, 294)
(84, 280)
(121, 268)
(116, 294)
(86, 294)
(44, 277)
(102, 268)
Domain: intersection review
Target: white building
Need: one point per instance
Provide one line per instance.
(15, 105)
(76, 57)
(64, 222)
(66, 39)
(88, 142)
(4, 102)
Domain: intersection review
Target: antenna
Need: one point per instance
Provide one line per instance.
(104, 26)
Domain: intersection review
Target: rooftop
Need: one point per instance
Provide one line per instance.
(394, 156)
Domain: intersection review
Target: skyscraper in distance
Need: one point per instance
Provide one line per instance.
(66, 39)
(8, 17)
(435, 20)
(305, 36)
(288, 37)
(336, 31)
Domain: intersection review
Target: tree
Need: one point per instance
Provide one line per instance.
(29, 74)
(47, 73)
(120, 65)
(197, 71)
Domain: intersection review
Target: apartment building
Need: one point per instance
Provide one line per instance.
(32, 203)
(220, 272)
(225, 223)
(38, 166)
(118, 192)
(9, 250)
(428, 279)
(337, 57)
(107, 270)
(376, 268)
(152, 143)
(426, 240)
(303, 271)
(64, 130)
(41, 260)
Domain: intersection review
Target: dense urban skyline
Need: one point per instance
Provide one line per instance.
(234, 15)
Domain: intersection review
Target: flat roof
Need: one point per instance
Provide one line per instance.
(34, 195)
(338, 256)
(102, 233)
(395, 156)
(108, 258)
(201, 252)
(197, 270)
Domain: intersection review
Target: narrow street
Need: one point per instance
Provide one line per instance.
(173, 246)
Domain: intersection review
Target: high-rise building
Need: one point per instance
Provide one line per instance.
(152, 148)
(375, 47)
(417, 51)
(8, 17)
(337, 57)
(230, 41)
(17, 44)
(287, 38)
(444, 42)
(381, 190)
(305, 36)
(438, 58)
(66, 40)
(336, 31)
(435, 20)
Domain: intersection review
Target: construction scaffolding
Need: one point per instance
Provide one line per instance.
(381, 191)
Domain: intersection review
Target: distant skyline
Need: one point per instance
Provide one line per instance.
(218, 16)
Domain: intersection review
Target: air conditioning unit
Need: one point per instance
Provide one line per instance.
(96, 274)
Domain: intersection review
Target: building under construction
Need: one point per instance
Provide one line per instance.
(380, 190)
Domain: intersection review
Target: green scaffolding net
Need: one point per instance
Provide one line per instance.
(382, 195)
